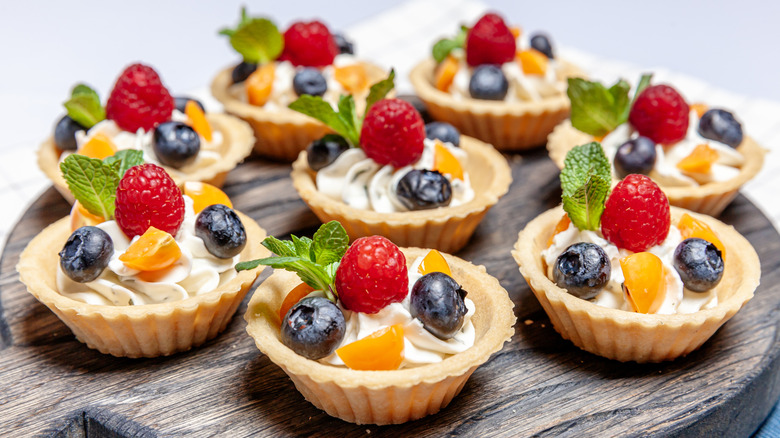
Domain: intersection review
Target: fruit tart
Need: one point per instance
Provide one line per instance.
(390, 174)
(307, 59)
(143, 269)
(373, 333)
(698, 155)
(626, 276)
(496, 83)
(141, 114)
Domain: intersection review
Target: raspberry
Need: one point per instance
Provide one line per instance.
(139, 99)
(636, 216)
(661, 114)
(146, 197)
(393, 133)
(371, 275)
(309, 44)
(490, 41)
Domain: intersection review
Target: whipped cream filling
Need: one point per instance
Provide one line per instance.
(196, 272)
(420, 346)
(361, 182)
(678, 299)
(144, 141)
(665, 170)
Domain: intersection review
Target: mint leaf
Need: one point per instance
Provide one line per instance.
(445, 46)
(596, 110)
(92, 182)
(283, 248)
(127, 158)
(84, 106)
(329, 243)
(644, 82)
(245, 266)
(580, 163)
(379, 90)
(302, 246)
(586, 182)
(257, 40)
(349, 117)
(315, 107)
(310, 273)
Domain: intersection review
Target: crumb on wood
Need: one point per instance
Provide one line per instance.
(528, 322)
(543, 326)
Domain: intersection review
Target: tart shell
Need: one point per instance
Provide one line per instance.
(385, 397)
(237, 141)
(447, 229)
(148, 330)
(508, 126)
(710, 198)
(628, 336)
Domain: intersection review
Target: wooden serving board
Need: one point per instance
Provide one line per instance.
(539, 384)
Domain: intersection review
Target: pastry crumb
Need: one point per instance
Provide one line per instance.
(528, 322)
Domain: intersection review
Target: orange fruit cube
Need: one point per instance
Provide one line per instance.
(446, 163)
(198, 120)
(700, 160)
(560, 227)
(434, 262)
(516, 31)
(260, 83)
(353, 78)
(99, 146)
(533, 62)
(154, 250)
(381, 350)
(295, 295)
(700, 108)
(645, 281)
(204, 194)
(445, 73)
(692, 227)
(80, 217)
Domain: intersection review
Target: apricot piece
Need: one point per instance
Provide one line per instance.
(204, 194)
(99, 146)
(198, 120)
(700, 108)
(645, 281)
(353, 78)
(516, 31)
(434, 262)
(560, 227)
(260, 83)
(295, 295)
(700, 160)
(446, 163)
(533, 62)
(381, 350)
(692, 227)
(79, 217)
(154, 250)
(445, 73)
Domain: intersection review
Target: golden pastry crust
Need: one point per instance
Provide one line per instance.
(148, 330)
(237, 142)
(710, 198)
(628, 336)
(385, 397)
(447, 229)
(508, 126)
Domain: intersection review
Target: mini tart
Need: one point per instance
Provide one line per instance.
(628, 336)
(710, 198)
(509, 126)
(148, 330)
(385, 397)
(280, 135)
(447, 229)
(237, 141)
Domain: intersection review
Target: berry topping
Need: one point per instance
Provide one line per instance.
(645, 281)
(86, 253)
(692, 227)
(582, 269)
(260, 83)
(533, 62)
(490, 41)
(720, 125)
(442, 131)
(221, 230)
(419, 105)
(296, 294)
(660, 113)
(175, 144)
(699, 264)
(488, 83)
(65, 133)
(393, 133)
(541, 42)
(371, 275)
(422, 189)
(181, 103)
(700, 160)
(323, 152)
(434, 262)
(204, 194)
(242, 71)
(139, 100)
(148, 197)
(437, 301)
(309, 44)
(154, 250)
(381, 350)
(344, 45)
(313, 328)
(99, 146)
(197, 118)
(635, 156)
(309, 81)
(446, 163)
(636, 216)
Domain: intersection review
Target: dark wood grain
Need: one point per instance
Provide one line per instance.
(50, 384)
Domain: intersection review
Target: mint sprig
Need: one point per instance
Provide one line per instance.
(314, 260)
(586, 181)
(258, 40)
(127, 158)
(379, 90)
(444, 46)
(84, 106)
(598, 110)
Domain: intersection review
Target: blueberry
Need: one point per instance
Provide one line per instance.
(421, 189)
(344, 45)
(699, 264)
(635, 156)
(309, 81)
(221, 230)
(313, 328)
(323, 152)
(86, 254)
(488, 83)
(720, 125)
(65, 133)
(242, 71)
(442, 131)
(541, 42)
(437, 301)
(181, 103)
(419, 105)
(582, 269)
(175, 144)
